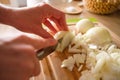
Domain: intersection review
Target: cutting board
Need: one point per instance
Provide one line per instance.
(51, 65)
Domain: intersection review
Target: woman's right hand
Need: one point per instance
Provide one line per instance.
(18, 62)
(18, 59)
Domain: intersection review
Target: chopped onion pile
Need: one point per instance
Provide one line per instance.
(77, 59)
(91, 47)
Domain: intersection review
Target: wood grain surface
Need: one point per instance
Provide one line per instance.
(51, 65)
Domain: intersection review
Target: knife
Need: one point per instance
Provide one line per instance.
(42, 53)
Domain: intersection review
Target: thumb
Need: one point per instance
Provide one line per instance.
(36, 41)
(48, 42)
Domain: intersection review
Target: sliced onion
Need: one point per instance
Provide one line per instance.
(68, 63)
(67, 38)
(60, 35)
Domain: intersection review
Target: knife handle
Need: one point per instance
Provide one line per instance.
(45, 52)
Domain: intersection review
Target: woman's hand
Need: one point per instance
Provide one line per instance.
(18, 62)
(18, 59)
(30, 19)
(10, 35)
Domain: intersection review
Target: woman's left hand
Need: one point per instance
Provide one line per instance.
(30, 19)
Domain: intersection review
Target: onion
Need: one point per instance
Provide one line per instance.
(79, 58)
(68, 63)
(60, 35)
(103, 57)
(97, 36)
(66, 37)
(84, 25)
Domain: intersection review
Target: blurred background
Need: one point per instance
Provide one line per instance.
(14, 3)
(72, 6)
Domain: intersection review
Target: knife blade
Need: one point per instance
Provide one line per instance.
(46, 51)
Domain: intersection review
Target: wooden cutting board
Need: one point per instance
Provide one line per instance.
(51, 65)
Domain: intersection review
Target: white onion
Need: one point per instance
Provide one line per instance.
(68, 63)
(103, 57)
(66, 39)
(84, 25)
(79, 58)
(60, 35)
(97, 36)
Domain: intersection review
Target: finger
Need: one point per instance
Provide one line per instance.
(60, 17)
(31, 55)
(63, 24)
(50, 26)
(39, 42)
(27, 56)
(49, 42)
(58, 26)
(41, 32)
(36, 67)
(36, 41)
